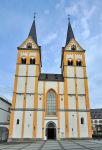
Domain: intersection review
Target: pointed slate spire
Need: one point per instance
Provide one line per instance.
(32, 32)
(70, 33)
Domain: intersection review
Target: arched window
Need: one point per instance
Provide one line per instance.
(82, 120)
(23, 60)
(29, 45)
(78, 62)
(32, 61)
(70, 62)
(51, 103)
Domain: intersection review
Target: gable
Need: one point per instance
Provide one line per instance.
(28, 40)
(71, 43)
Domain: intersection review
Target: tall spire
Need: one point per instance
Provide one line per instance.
(32, 32)
(70, 33)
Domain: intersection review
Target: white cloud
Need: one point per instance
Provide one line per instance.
(87, 15)
(86, 31)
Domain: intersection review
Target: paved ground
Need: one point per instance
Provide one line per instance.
(55, 145)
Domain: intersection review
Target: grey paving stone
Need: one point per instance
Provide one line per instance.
(55, 145)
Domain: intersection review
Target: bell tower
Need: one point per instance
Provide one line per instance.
(76, 96)
(23, 121)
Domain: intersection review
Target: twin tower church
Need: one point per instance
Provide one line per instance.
(50, 106)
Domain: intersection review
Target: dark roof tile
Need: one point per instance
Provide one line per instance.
(50, 77)
(70, 33)
(32, 32)
(96, 113)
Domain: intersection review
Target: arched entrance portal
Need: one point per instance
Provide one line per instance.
(51, 130)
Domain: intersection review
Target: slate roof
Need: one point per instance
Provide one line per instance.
(70, 33)
(5, 100)
(32, 32)
(96, 113)
(50, 77)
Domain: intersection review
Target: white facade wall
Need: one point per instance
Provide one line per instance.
(40, 87)
(51, 85)
(29, 101)
(83, 127)
(39, 117)
(62, 117)
(30, 84)
(72, 102)
(80, 86)
(61, 85)
(19, 100)
(17, 127)
(29, 115)
(39, 124)
(73, 133)
(40, 102)
(62, 124)
(70, 71)
(31, 70)
(71, 86)
(79, 72)
(28, 124)
(61, 102)
(21, 85)
(22, 70)
(82, 102)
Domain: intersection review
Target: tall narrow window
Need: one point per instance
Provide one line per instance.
(32, 61)
(70, 62)
(23, 60)
(51, 103)
(82, 120)
(17, 121)
(78, 62)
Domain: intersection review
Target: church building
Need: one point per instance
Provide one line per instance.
(50, 106)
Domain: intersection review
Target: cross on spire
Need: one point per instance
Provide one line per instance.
(69, 17)
(34, 15)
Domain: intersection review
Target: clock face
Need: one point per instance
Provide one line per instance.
(29, 45)
(73, 47)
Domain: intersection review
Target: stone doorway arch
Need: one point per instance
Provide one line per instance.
(51, 130)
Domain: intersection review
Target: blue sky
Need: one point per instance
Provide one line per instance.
(16, 17)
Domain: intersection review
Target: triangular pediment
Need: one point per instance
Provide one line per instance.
(71, 43)
(27, 41)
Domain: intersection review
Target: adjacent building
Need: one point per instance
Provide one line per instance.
(5, 106)
(50, 106)
(96, 119)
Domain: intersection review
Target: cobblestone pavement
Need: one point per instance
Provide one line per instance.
(55, 145)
